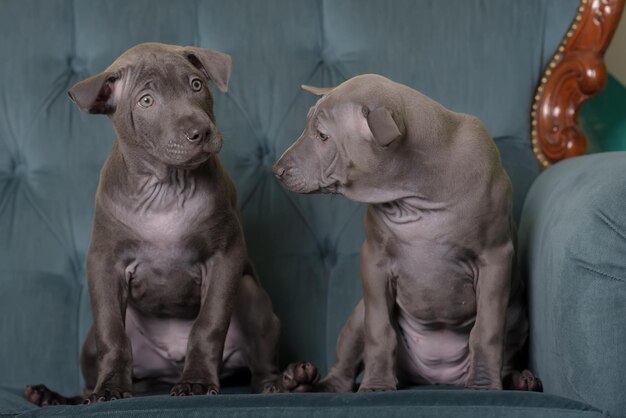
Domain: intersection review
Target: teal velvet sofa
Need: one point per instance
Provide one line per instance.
(485, 57)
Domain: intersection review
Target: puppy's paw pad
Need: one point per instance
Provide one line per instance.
(369, 389)
(105, 395)
(271, 388)
(191, 389)
(299, 377)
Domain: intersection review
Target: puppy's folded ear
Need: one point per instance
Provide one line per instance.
(318, 91)
(215, 65)
(385, 129)
(95, 94)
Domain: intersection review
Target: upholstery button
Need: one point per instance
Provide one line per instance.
(19, 169)
(326, 58)
(328, 254)
(266, 157)
(78, 65)
(330, 258)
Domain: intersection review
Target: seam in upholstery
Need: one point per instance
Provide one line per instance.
(43, 217)
(291, 103)
(196, 35)
(76, 264)
(62, 82)
(11, 138)
(322, 37)
(80, 283)
(342, 230)
(301, 216)
(247, 199)
(605, 219)
(601, 273)
(12, 197)
(322, 47)
(78, 342)
(59, 85)
(252, 127)
(357, 253)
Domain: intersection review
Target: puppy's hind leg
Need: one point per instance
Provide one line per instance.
(348, 363)
(516, 354)
(349, 355)
(257, 330)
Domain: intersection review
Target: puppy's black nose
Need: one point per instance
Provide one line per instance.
(193, 135)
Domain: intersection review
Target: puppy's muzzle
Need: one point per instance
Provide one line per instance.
(278, 170)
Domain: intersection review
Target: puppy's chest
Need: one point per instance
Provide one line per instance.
(167, 226)
(436, 283)
(168, 247)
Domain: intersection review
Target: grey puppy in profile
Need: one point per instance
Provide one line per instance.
(174, 296)
(442, 302)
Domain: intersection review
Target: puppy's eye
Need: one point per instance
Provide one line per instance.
(146, 101)
(322, 136)
(196, 84)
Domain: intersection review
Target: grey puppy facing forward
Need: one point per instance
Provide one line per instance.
(175, 299)
(442, 303)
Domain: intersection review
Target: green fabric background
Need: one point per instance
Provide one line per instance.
(483, 57)
(603, 118)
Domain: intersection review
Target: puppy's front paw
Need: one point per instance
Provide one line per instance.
(300, 376)
(107, 394)
(377, 383)
(367, 389)
(479, 378)
(190, 389)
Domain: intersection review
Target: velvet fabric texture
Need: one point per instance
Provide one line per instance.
(483, 57)
(429, 402)
(573, 238)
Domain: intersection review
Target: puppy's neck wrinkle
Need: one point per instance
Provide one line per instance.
(406, 210)
(159, 187)
(175, 190)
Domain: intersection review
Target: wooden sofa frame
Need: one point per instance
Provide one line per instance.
(576, 73)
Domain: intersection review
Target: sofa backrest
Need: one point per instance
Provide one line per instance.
(482, 57)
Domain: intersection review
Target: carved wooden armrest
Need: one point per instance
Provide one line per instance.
(576, 73)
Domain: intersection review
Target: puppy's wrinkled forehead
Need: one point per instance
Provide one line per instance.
(331, 109)
(164, 71)
(167, 75)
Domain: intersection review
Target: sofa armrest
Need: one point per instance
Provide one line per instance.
(573, 255)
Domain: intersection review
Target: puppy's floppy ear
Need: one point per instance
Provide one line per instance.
(95, 94)
(318, 91)
(384, 127)
(215, 65)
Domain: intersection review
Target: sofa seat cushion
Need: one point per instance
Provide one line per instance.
(422, 402)
(12, 403)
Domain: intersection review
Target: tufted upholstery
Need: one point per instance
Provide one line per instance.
(482, 57)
